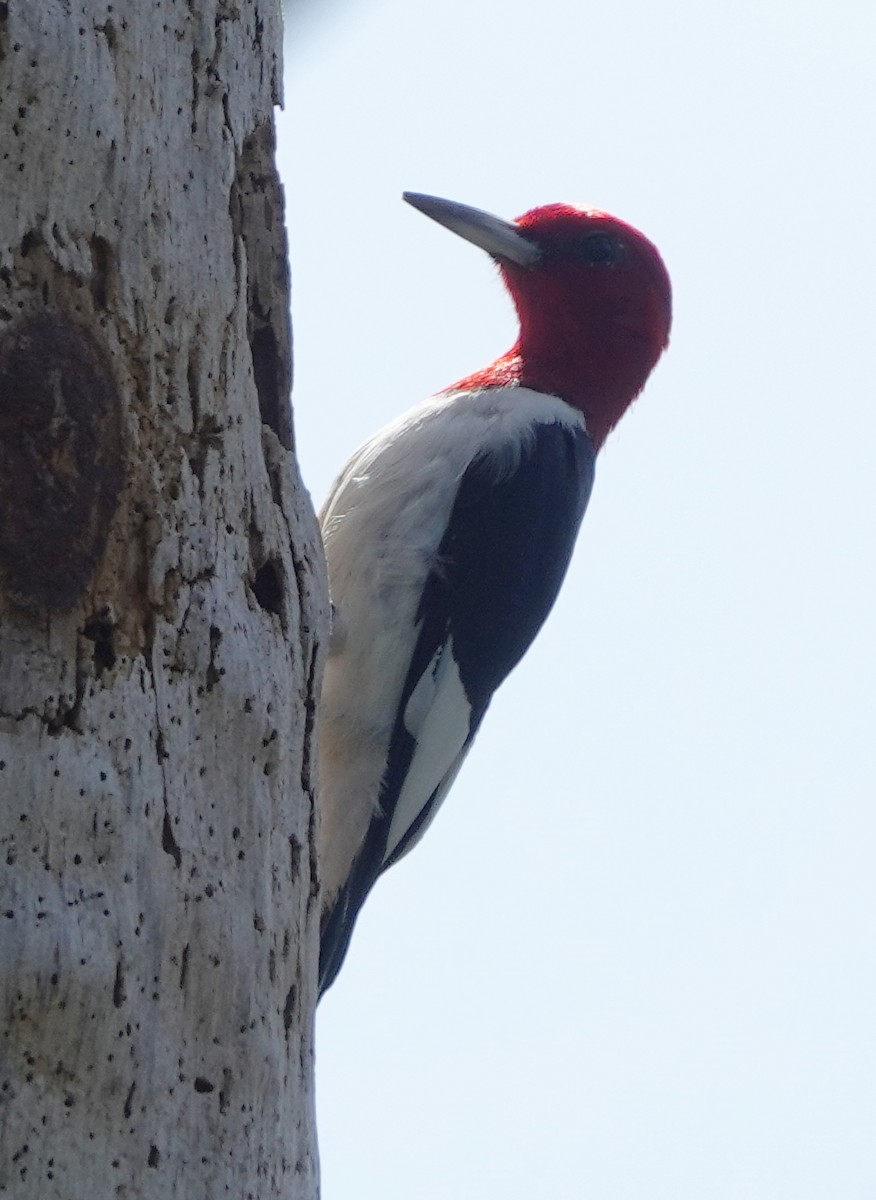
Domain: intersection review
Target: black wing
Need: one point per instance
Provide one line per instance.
(498, 571)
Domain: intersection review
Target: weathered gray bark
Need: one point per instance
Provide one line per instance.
(161, 596)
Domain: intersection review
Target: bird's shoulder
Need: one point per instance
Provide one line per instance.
(419, 458)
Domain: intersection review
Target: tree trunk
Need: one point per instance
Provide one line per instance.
(162, 594)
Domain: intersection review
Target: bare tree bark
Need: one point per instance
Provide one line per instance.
(162, 597)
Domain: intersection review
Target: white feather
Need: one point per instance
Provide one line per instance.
(438, 716)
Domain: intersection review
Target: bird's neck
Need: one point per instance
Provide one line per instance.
(504, 372)
(590, 386)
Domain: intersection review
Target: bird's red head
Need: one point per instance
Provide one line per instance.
(594, 301)
(595, 311)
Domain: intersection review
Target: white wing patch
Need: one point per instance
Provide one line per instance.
(438, 717)
(422, 697)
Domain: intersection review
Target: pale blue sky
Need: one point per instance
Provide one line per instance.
(635, 956)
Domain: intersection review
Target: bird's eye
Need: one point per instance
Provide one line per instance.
(600, 250)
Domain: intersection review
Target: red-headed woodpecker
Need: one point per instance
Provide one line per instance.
(449, 533)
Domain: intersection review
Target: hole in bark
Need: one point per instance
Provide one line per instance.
(266, 370)
(100, 631)
(154, 1157)
(101, 259)
(267, 586)
(214, 674)
(193, 374)
(225, 1090)
(108, 30)
(168, 841)
(119, 986)
(60, 446)
(289, 1007)
(203, 1085)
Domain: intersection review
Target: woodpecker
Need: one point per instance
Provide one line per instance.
(448, 534)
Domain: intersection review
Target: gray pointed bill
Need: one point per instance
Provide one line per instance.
(501, 239)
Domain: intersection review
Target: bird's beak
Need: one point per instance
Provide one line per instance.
(501, 239)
